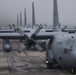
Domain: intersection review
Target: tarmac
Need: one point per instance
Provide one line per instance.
(28, 62)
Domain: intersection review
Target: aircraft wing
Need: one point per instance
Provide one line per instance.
(42, 36)
(11, 36)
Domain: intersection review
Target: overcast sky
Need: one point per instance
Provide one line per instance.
(43, 11)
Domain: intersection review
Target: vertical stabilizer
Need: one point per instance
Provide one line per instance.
(55, 17)
(17, 20)
(33, 15)
(20, 18)
(25, 20)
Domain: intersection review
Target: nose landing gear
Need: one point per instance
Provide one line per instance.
(73, 70)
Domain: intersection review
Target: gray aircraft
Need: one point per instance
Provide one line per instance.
(60, 46)
(10, 34)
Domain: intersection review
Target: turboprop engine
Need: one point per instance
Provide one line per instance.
(29, 41)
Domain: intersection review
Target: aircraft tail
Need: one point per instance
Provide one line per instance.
(33, 15)
(55, 18)
(20, 18)
(17, 20)
(25, 20)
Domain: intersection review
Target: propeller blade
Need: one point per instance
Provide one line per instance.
(38, 47)
(64, 28)
(36, 31)
(20, 31)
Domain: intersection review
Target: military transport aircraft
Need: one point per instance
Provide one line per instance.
(6, 35)
(60, 46)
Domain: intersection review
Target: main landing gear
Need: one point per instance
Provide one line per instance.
(72, 70)
(49, 65)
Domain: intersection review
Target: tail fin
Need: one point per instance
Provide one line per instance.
(33, 15)
(55, 17)
(17, 20)
(25, 20)
(20, 18)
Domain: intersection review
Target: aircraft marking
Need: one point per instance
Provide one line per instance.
(59, 43)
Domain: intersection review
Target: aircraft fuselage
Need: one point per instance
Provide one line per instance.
(64, 49)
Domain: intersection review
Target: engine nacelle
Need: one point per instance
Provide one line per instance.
(7, 47)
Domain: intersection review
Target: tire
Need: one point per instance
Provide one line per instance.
(49, 66)
(73, 70)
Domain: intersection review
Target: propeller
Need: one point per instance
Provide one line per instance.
(29, 41)
(64, 28)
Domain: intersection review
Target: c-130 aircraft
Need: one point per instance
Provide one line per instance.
(60, 46)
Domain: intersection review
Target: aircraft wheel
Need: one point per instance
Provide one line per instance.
(73, 70)
(49, 65)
